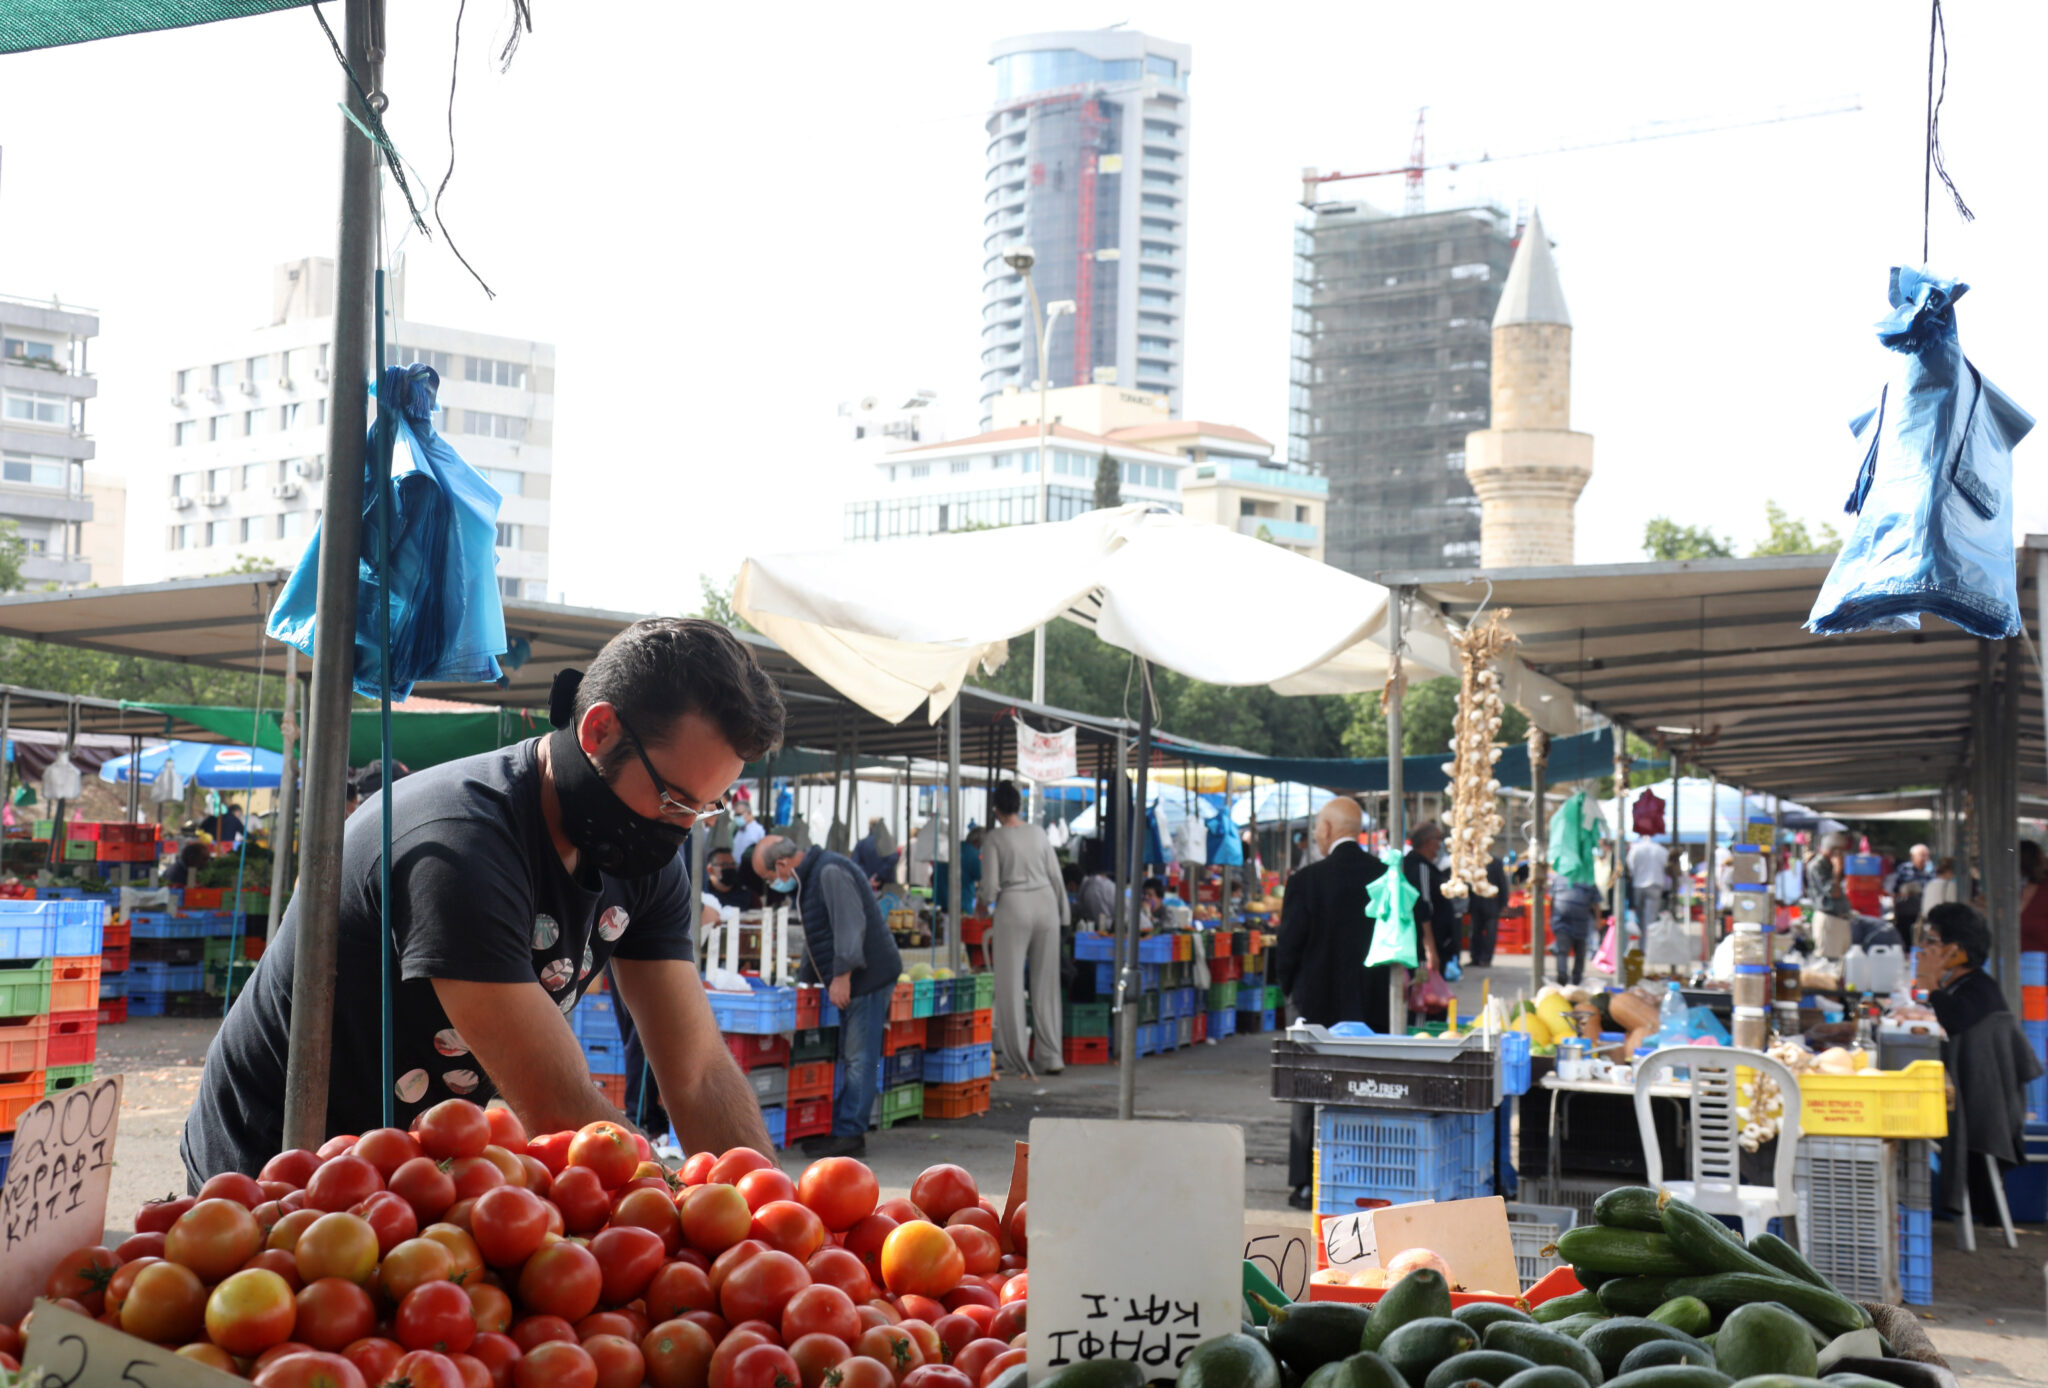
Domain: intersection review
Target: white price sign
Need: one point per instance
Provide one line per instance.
(55, 1198)
(1043, 757)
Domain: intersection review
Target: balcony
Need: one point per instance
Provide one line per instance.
(1252, 474)
(1285, 532)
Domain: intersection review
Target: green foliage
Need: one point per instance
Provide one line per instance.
(12, 550)
(1429, 710)
(1109, 487)
(98, 675)
(1666, 540)
(717, 604)
(246, 564)
(1789, 536)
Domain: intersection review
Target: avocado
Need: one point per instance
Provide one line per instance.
(1228, 1361)
(1480, 1314)
(1421, 1294)
(1415, 1349)
(1764, 1339)
(1488, 1366)
(1309, 1334)
(1095, 1373)
(1544, 1345)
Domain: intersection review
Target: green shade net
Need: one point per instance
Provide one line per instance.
(28, 24)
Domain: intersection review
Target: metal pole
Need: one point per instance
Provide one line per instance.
(1710, 913)
(287, 796)
(2001, 857)
(1038, 326)
(956, 840)
(700, 849)
(1127, 985)
(1621, 843)
(319, 920)
(1397, 811)
(1123, 843)
(7, 749)
(1539, 855)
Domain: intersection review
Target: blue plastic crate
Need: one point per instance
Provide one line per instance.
(113, 986)
(1169, 1004)
(957, 1063)
(1092, 948)
(155, 926)
(1105, 980)
(154, 977)
(1514, 1072)
(1155, 949)
(1248, 979)
(1916, 1257)
(45, 929)
(904, 1067)
(145, 1004)
(1148, 978)
(1475, 1170)
(1148, 1038)
(605, 1057)
(2034, 969)
(1186, 1003)
(1269, 1018)
(2037, 1100)
(6, 1150)
(1367, 1154)
(1222, 1024)
(764, 1011)
(1863, 865)
(778, 1124)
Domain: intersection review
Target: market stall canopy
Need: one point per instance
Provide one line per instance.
(31, 24)
(900, 623)
(211, 765)
(32, 750)
(1731, 809)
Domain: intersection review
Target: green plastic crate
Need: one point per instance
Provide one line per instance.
(218, 982)
(1223, 996)
(1087, 1019)
(1272, 996)
(1148, 1008)
(984, 993)
(81, 851)
(819, 1043)
(65, 1077)
(25, 987)
(221, 948)
(902, 1102)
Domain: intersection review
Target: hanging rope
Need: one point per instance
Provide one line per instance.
(1937, 37)
(454, 70)
(373, 112)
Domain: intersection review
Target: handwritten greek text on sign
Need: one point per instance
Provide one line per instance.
(55, 1198)
(1137, 1241)
(67, 1350)
(1043, 757)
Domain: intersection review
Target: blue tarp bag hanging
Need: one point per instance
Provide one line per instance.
(1226, 849)
(447, 622)
(1932, 498)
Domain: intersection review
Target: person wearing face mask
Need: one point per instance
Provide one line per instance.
(848, 948)
(516, 876)
(746, 830)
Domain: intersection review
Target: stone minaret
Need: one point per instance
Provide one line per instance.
(1529, 468)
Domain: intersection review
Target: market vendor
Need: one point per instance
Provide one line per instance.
(517, 875)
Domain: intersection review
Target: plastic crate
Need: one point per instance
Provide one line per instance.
(228, 978)
(1147, 1041)
(1533, 1228)
(1912, 1102)
(1091, 948)
(809, 1005)
(764, 1011)
(18, 1094)
(923, 995)
(2033, 968)
(958, 1064)
(821, 1044)
(114, 1012)
(6, 1150)
(751, 1051)
(1155, 949)
(904, 1067)
(1222, 997)
(114, 935)
(613, 1087)
(113, 986)
(161, 925)
(1916, 1175)
(1916, 1257)
(604, 1057)
(1085, 1050)
(1514, 1070)
(44, 929)
(24, 1044)
(1225, 970)
(962, 1100)
(61, 1077)
(1222, 1024)
(903, 1003)
(146, 1003)
(903, 1035)
(962, 1029)
(808, 1118)
(113, 960)
(900, 1104)
(1408, 1074)
(1086, 1019)
(1251, 1023)
(811, 1079)
(74, 1036)
(1200, 1022)
(1848, 1214)
(156, 977)
(770, 1084)
(1184, 1030)
(984, 992)
(25, 987)
(1364, 1155)
(189, 949)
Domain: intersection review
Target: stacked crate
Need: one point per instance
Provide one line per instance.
(2034, 1021)
(1863, 883)
(49, 998)
(1174, 1009)
(114, 952)
(959, 1049)
(1850, 1220)
(167, 961)
(596, 1025)
(1915, 1188)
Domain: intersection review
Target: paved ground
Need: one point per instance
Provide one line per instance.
(1990, 1319)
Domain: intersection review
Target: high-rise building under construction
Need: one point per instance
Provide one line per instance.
(1087, 165)
(1391, 370)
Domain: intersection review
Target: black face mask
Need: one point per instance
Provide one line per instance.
(607, 832)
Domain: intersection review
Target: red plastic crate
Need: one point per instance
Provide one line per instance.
(902, 1003)
(810, 1080)
(125, 852)
(902, 1035)
(962, 1100)
(1219, 947)
(754, 1051)
(24, 1044)
(1086, 1050)
(961, 1029)
(1199, 1032)
(74, 1036)
(114, 960)
(203, 898)
(113, 1012)
(18, 1094)
(613, 1087)
(812, 1118)
(115, 936)
(75, 987)
(1225, 969)
(809, 1002)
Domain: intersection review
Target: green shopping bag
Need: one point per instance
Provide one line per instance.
(1390, 905)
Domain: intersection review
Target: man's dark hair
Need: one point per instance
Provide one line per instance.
(725, 853)
(1070, 873)
(1007, 799)
(656, 671)
(1424, 832)
(1964, 927)
(193, 856)
(1155, 884)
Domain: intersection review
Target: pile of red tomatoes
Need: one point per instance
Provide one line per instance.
(462, 1255)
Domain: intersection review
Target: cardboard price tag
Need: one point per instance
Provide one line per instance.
(1137, 1239)
(67, 1350)
(1470, 1235)
(1284, 1253)
(55, 1197)
(1352, 1241)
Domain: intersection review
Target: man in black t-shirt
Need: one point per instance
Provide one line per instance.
(517, 876)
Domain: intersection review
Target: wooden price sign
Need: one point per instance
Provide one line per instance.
(67, 1350)
(55, 1198)
(1137, 1241)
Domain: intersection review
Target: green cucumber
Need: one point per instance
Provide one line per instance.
(1688, 1313)
(1626, 1251)
(1725, 1291)
(1558, 1307)
(1233, 1361)
(1575, 1327)
(1652, 1353)
(1488, 1366)
(1481, 1314)
(1761, 1338)
(1611, 1340)
(1787, 1259)
(1309, 1334)
(1708, 1242)
(1673, 1376)
(1633, 1296)
(1419, 1346)
(1591, 1278)
(1542, 1345)
(1422, 1294)
(1629, 1207)
(1546, 1376)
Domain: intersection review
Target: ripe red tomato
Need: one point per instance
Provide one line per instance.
(250, 1311)
(506, 1131)
(768, 1183)
(1016, 1289)
(973, 1356)
(375, 1358)
(165, 1302)
(342, 1184)
(627, 1257)
(296, 1166)
(213, 1238)
(332, 1314)
(285, 1232)
(118, 1285)
(436, 1316)
(475, 1175)
(996, 1367)
(788, 1227)
(580, 1196)
(620, 1364)
(942, 1189)
(865, 1239)
(971, 1295)
(551, 1150)
(387, 1149)
(979, 1250)
(82, 1275)
(422, 1184)
(736, 1342)
(427, 1369)
(678, 1354)
(899, 1209)
(285, 1265)
(936, 1376)
(816, 1355)
(562, 1279)
(927, 1339)
(296, 1200)
(539, 1330)
(213, 1356)
(454, 1128)
(919, 1257)
(955, 1333)
(337, 1245)
(835, 1267)
(233, 1185)
(862, 1372)
(310, 1369)
(980, 1218)
(392, 1218)
(507, 1164)
(696, 1169)
(722, 1267)
(714, 1217)
(677, 1287)
(1015, 1229)
(761, 1286)
(508, 1223)
(140, 1246)
(1008, 1323)
(474, 1374)
(277, 1352)
(767, 1330)
(878, 1312)
(919, 1308)
(653, 1210)
(820, 1310)
(620, 1322)
(490, 1306)
(539, 1179)
(497, 1353)
(555, 1365)
(891, 1346)
(841, 1190)
(765, 1366)
(736, 1163)
(607, 1149)
(159, 1215)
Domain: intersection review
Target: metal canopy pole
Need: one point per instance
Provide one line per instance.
(319, 921)
(1621, 844)
(287, 797)
(1539, 855)
(956, 850)
(1397, 811)
(1711, 888)
(2001, 853)
(1127, 989)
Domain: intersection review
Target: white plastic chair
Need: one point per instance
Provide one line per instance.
(1714, 1134)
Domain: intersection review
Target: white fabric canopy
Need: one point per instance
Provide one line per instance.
(899, 623)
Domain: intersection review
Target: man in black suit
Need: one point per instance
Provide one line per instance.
(1320, 960)
(1436, 916)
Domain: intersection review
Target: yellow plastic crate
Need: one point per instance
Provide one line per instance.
(1912, 1102)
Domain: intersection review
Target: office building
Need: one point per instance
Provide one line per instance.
(245, 449)
(1087, 165)
(44, 442)
(1391, 371)
(1234, 480)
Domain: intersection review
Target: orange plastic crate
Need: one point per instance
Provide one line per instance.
(961, 1029)
(74, 1036)
(1219, 945)
(75, 986)
(962, 1100)
(613, 1087)
(24, 1044)
(2034, 1002)
(902, 1035)
(18, 1094)
(903, 1003)
(1086, 1050)
(811, 1080)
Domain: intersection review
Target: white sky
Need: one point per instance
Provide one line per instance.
(727, 225)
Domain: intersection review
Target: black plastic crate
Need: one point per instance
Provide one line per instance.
(177, 951)
(1466, 1083)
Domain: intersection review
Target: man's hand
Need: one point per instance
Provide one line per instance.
(841, 991)
(701, 1085)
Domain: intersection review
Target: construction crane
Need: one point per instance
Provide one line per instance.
(1411, 173)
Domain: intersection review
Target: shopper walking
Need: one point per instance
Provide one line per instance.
(1020, 875)
(1484, 913)
(1830, 897)
(1649, 879)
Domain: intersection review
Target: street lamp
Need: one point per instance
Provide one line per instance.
(1021, 259)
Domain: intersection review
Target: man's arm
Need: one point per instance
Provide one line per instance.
(524, 1044)
(706, 1094)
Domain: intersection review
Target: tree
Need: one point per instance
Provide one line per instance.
(1109, 487)
(1665, 539)
(247, 564)
(1429, 710)
(1789, 536)
(717, 604)
(12, 549)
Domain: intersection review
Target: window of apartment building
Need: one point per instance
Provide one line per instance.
(220, 427)
(1155, 344)
(1301, 515)
(247, 530)
(484, 424)
(27, 349)
(508, 536)
(1159, 178)
(1155, 274)
(1155, 298)
(1002, 460)
(1159, 202)
(29, 470)
(291, 525)
(959, 465)
(253, 421)
(487, 371)
(508, 587)
(254, 475)
(257, 369)
(442, 362)
(293, 415)
(33, 407)
(223, 375)
(918, 470)
(217, 533)
(182, 382)
(536, 590)
(1247, 507)
(320, 355)
(508, 481)
(217, 481)
(181, 536)
(184, 484)
(185, 431)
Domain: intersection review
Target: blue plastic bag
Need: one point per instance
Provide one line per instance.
(1932, 498)
(447, 621)
(1226, 849)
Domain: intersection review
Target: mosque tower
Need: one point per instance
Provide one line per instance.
(1529, 467)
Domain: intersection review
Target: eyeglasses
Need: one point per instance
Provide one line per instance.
(672, 804)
